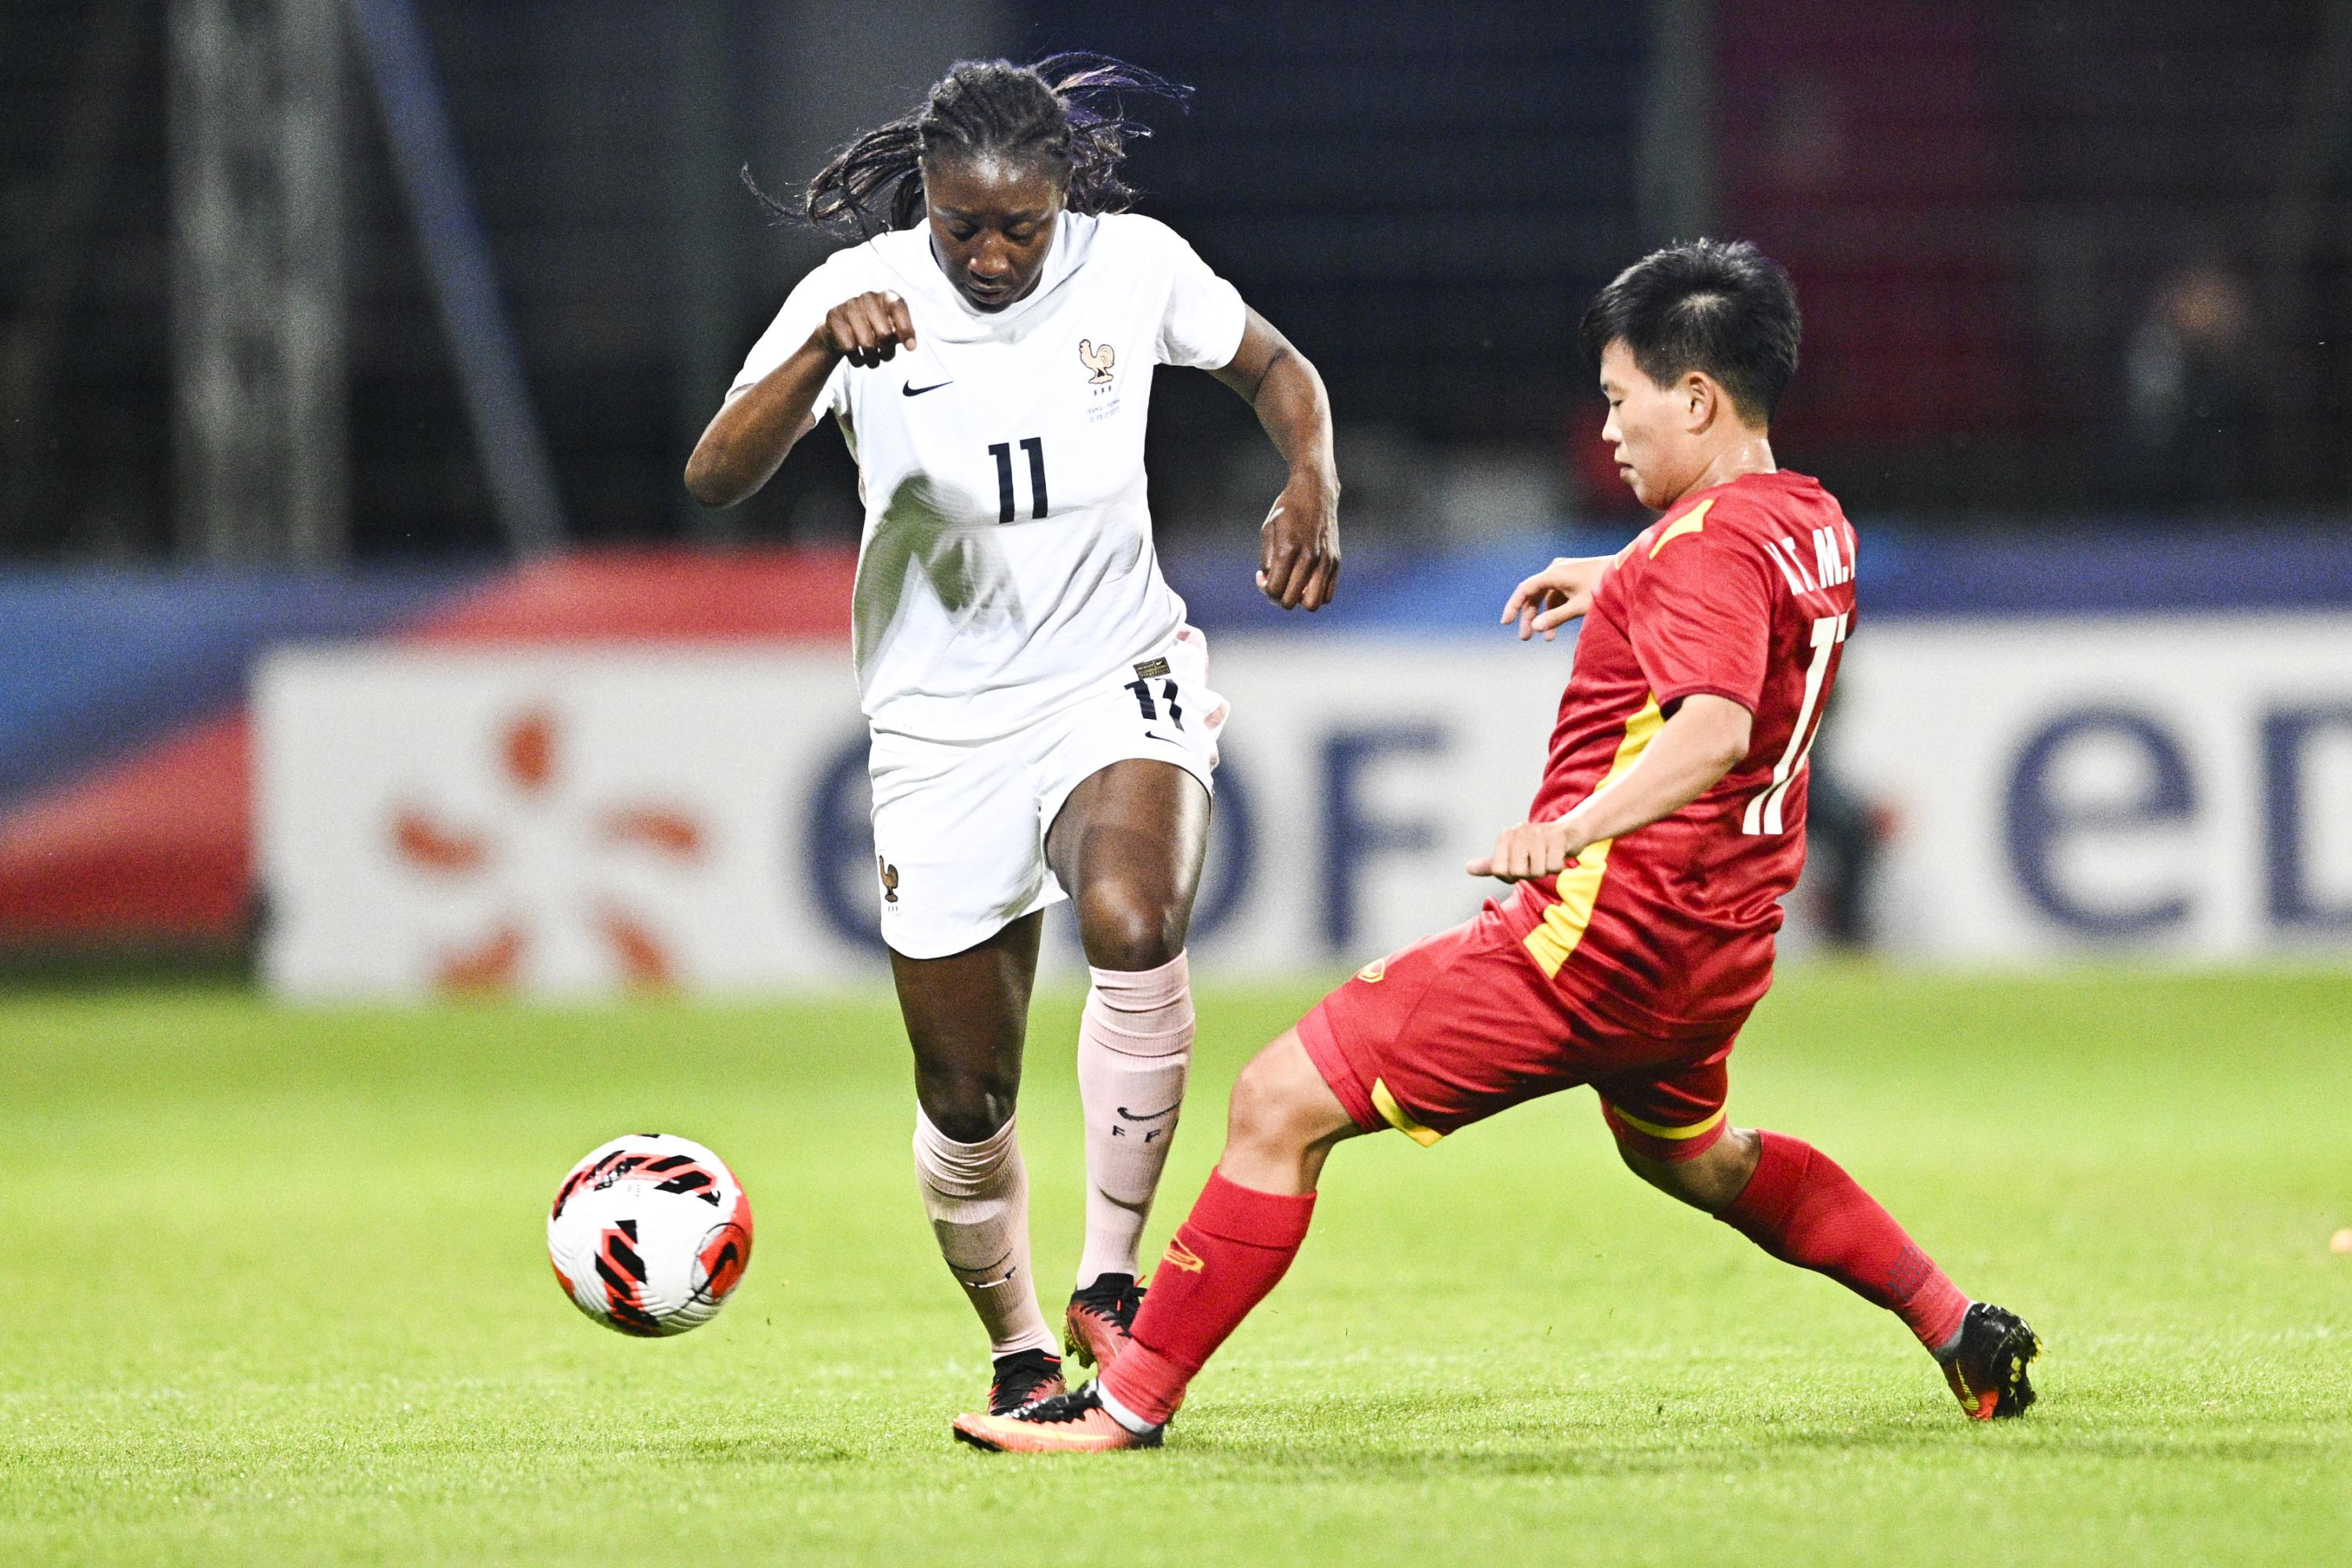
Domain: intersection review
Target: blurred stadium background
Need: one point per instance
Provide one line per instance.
(358, 642)
(356, 626)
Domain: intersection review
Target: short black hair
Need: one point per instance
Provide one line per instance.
(1725, 308)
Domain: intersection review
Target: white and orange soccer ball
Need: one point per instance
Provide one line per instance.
(649, 1235)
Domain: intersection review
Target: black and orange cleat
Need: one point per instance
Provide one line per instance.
(1101, 1320)
(1987, 1368)
(1073, 1423)
(1023, 1378)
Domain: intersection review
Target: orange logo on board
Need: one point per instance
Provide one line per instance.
(1179, 1256)
(441, 844)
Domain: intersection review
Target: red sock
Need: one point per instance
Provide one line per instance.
(1234, 1247)
(1802, 1209)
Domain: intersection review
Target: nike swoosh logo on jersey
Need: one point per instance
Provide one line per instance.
(911, 390)
(1155, 735)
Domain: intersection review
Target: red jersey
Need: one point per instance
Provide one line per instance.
(1743, 590)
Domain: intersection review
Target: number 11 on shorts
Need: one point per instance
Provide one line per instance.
(1151, 709)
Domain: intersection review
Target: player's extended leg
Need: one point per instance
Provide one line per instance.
(1798, 1204)
(1227, 1255)
(1127, 846)
(966, 1016)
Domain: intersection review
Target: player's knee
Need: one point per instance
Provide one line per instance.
(968, 1106)
(1267, 1114)
(1672, 1178)
(1709, 1180)
(1124, 925)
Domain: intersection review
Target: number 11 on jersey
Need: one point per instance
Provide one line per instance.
(1002, 452)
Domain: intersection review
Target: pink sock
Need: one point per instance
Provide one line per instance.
(978, 1197)
(1135, 1046)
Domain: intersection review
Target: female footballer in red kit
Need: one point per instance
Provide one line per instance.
(1668, 826)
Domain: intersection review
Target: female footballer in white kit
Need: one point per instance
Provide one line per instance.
(1043, 724)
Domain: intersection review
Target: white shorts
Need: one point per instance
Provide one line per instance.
(960, 827)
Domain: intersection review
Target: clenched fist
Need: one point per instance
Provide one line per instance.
(867, 329)
(1298, 546)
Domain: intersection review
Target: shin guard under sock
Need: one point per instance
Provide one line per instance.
(1232, 1250)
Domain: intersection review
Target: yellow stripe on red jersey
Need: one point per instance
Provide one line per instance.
(1578, 887)
(1745, 591)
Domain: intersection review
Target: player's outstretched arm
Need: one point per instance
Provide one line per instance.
(1704, 741)
(1298, 563)
(1555, 596)
(748, 438)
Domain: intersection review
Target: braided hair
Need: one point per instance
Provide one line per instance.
(1064, 113)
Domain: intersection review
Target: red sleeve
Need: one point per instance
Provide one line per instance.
(1701, 616)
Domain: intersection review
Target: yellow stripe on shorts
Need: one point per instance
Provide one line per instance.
(1672, 1134)
(1398, 1116)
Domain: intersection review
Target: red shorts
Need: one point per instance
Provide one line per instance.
(1463, 1025)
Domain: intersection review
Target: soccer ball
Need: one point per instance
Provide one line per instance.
(649, 1235)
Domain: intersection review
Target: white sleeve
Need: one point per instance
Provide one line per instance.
(804, 309)
(1203, 324)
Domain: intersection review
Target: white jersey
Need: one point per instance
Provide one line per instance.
(1007, 563)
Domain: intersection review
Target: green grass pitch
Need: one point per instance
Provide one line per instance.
(274, 1291)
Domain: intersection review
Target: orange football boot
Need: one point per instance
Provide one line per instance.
(1100, 1321)
(1073, 1423)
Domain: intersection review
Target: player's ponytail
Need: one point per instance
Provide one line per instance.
(1089, 86)
(1065, 112)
